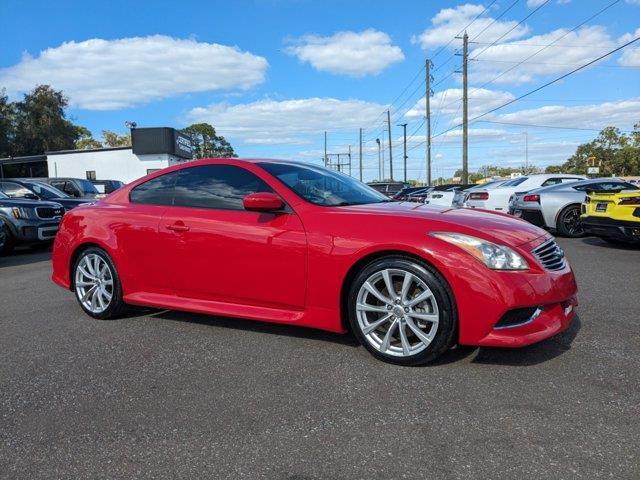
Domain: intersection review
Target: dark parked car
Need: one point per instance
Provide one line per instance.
(37, 190)
(105, 187)
(28, 222)
(403, 194)
(419, 196)
(75, 187)
(387, 188)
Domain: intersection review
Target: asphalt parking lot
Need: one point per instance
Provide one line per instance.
(175, 395)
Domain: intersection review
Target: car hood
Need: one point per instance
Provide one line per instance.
(24, 203)
(74, 202)
(494, 226)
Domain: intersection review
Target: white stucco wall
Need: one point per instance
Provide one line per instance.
(120, 165)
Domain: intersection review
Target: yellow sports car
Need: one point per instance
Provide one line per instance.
(614, 216)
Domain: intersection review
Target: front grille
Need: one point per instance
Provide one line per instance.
(550, 255)
(49, 212)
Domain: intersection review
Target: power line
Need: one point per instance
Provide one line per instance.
(494, 20)
(468, 25)
(545, 126)
(548, 45)
(512, 28)
(538, 51)
(555, 80)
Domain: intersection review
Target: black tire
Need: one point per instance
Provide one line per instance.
(569, 224)
(447, 319)
(116, 306)
(6, 246)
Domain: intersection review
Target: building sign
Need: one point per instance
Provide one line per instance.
(182, 145)
(593, 170)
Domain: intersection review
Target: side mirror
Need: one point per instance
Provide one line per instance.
(262, 202)
(31, 196)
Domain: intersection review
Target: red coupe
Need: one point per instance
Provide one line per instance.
(292, 243)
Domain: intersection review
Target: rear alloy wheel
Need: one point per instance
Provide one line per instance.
(401, 311)
(97, 285)
(569, 224)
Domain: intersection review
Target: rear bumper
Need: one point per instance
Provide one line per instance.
(611, 228)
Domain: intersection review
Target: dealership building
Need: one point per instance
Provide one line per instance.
(151, 150)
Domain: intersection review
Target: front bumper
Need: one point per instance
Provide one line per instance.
(611, 228)
(34, 231)
(486, 297)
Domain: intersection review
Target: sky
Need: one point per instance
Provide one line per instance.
(273, 75)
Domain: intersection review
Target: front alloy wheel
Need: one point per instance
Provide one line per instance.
(402, 311)
(96, 284)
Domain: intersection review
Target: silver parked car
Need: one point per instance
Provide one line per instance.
(557, 207)
(461, 196)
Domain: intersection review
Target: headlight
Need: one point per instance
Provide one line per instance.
(496, 257)
(20, 212)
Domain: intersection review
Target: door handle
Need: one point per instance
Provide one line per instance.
(176, 227)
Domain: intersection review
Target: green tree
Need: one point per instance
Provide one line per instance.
(206, 143)
(85, 139)
(41, 124)
(113, 139)
(616, 153)
(7, 126)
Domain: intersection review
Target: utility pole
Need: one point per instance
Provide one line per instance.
(382, 140)
(379, 161)
(325, 148)
(427, 100)
(349, 160)
(404, 128)
(465, 109)
(390, 149)
(361, 154)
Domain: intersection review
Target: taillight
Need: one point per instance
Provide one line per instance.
(630, 201)
(531, 198)
(479, 196)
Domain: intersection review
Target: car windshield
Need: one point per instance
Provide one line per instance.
(87, 187)
(323, 186)
(46, 192)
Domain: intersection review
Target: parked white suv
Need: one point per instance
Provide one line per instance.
(498, 198)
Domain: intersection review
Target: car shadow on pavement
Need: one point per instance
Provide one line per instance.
(533, 354)
(259, 327)
(25, 256)
(598, 242)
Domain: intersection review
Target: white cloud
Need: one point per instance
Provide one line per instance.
(350, 53)
(448, 103)
(449, 22)
(633, 2)
(102, 74)
(631, 55)
(621, 113)
(571, 50)
(288, 121)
